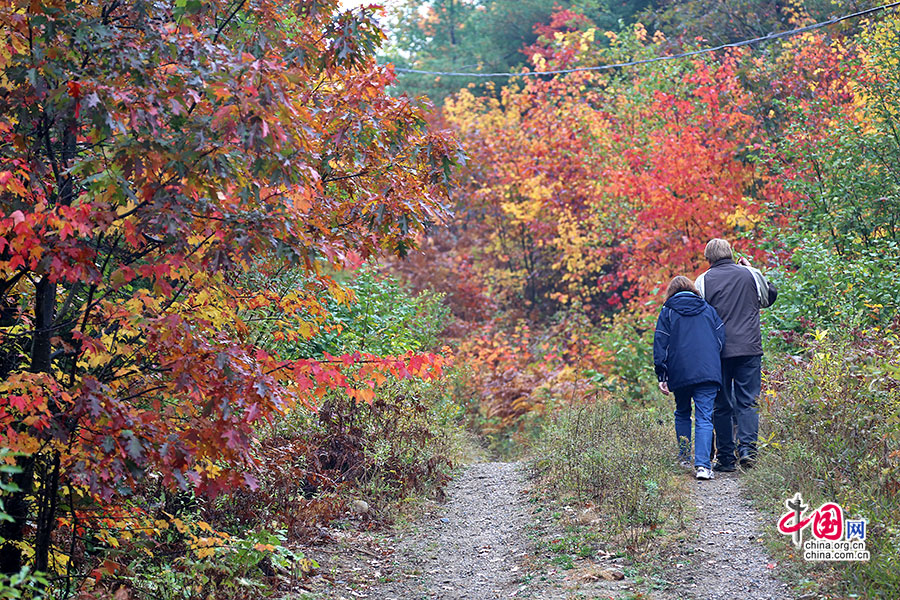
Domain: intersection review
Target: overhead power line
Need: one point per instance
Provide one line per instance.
(765, 38)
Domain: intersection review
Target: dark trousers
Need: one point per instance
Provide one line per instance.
(735, 416)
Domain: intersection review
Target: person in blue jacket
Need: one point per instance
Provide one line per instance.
(686, 353)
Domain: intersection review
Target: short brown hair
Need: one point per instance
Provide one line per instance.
(717, 249)
(681, 284)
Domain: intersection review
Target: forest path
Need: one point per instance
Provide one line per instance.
(727, 560)
(493, 539)
(473, 549)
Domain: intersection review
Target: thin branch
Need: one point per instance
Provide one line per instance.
(228, 20)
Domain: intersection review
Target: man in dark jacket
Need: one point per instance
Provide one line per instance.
(737, 292)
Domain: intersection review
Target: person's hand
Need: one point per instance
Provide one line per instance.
(743, 261)
(664, 387)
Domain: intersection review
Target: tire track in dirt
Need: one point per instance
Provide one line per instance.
(475, 546)
(729, 560)
(473, 550)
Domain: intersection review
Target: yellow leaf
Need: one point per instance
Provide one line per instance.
(124, 210)
(204, 526)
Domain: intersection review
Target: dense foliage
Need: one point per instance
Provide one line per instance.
(203, 358)
(833, 434)
(155, 158)
(586, 192)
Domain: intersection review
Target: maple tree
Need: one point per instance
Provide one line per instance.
(152, 156)
(587, 191)
(593, 188)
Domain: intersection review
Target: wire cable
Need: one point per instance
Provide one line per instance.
(765, 38)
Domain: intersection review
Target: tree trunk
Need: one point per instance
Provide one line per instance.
(46, 519)
(17, 504)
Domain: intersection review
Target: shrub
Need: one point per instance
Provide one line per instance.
(822, 289)
(517, 374)
(832, 425)
(254, 565)
(503, 380)
(383, 318)
(402, 445)
(628, 342)
(619, 460)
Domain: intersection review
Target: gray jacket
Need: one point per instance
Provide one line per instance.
(737, 293)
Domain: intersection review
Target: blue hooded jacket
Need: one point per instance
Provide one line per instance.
(688, 342)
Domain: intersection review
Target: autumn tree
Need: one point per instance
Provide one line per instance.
(591, 189)
(836, 154)
(727, 22)
(152, 154)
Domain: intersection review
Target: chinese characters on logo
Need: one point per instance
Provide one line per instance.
(833, 536)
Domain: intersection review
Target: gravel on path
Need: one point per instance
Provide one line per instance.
(475, 546)
(729, 560)
(472, 549)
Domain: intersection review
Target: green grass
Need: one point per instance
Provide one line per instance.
(621, 462)
(564, 561)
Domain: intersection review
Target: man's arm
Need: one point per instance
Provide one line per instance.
(765, 289)
(700, 284)
(772, 293)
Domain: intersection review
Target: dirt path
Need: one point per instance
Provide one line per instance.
(473, 549)
(728, 560)
(485, 543)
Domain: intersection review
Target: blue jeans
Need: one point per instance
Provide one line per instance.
(704, 396)
(735, 416)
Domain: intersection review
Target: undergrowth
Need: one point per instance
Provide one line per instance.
(517, 376)
(316, 465)
(831, 432)
(618, 461)
(348, 464)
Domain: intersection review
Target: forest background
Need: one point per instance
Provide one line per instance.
(250, 273)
